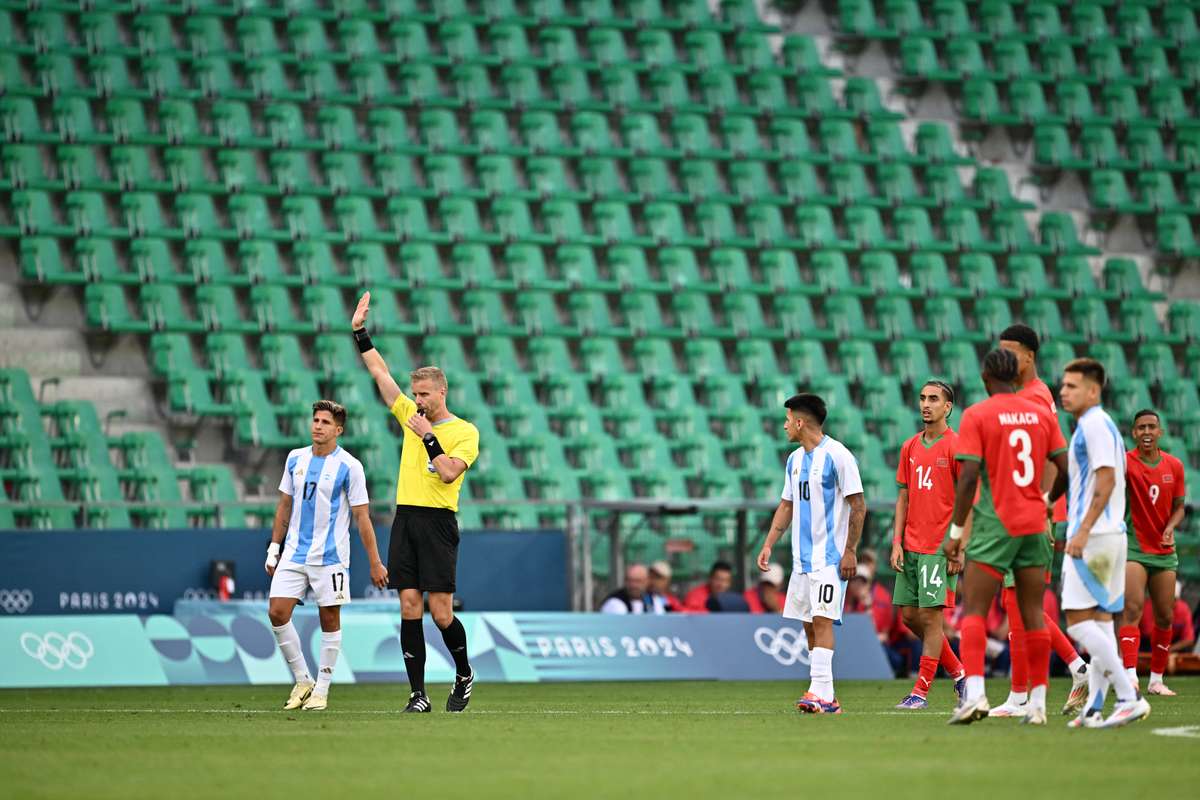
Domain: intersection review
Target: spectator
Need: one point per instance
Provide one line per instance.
(768, 597)
(1183, 634)
(632, 597)
(660, 586)
(720, 578)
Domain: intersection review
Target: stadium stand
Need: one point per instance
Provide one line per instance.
(626, 230)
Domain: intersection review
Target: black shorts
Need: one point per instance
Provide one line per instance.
(423, 551)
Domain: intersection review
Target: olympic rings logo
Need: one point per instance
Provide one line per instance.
(56, 651)
(15, 601)
(786, 645)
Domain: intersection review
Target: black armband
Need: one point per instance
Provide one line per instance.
(432, 446)
(363, 340)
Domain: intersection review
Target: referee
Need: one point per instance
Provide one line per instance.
(423, 552)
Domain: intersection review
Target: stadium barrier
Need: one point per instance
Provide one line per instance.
(231, 643)
(149, 571)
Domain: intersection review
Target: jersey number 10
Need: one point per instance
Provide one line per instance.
(802, 490)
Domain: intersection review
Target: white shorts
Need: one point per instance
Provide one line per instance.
(1098, 579)
(821, 594)
(330, 585)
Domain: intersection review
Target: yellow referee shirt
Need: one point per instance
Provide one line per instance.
(418, 483)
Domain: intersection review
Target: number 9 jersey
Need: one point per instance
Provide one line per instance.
(1014, 438)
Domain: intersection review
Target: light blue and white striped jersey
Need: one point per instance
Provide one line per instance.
(1096, 443)
(323, 490)
(818, 484)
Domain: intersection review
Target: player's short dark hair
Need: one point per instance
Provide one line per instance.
(337, 411)
(809, 404)
(720, 566)
(1021, 334)
(1001, 365)
(1147, 412)
(1089, 368)
(946, 388)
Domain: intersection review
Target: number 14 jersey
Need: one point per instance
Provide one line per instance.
(1013, 437)
(930, 473)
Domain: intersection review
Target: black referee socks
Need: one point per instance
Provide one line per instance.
(455, 637)
(412, 642)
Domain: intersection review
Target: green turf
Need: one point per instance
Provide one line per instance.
(663, 740)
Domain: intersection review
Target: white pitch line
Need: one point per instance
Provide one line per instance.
(1183, 732)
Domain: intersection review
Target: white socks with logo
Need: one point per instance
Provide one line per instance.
(289, 645)
(331, 646)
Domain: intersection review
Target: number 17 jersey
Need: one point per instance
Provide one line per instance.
(1013, 437)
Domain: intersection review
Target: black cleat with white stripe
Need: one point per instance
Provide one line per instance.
(460, 695)
(418, 703)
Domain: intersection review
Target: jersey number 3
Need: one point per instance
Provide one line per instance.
(1019, 440)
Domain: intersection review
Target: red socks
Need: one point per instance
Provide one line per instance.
(925, 676)
(973, 642)
(1038, 643)
(1160, 641)
(1017, 648)
(949, 661)
(1130, 637)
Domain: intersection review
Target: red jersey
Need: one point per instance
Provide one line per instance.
(1037, 391)
(1152, 491)
(929, 472)
(1013, 437)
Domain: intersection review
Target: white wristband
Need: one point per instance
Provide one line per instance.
(272, 554)
(956, 532)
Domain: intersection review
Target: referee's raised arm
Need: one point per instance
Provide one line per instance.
(389, 390)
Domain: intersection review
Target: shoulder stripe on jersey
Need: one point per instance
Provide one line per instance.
(829, 481)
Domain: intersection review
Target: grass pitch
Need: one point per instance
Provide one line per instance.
(664, 740)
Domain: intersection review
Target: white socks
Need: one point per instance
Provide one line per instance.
(1101, 642)
(1155, 677)
(1017, 698)
(289, 645)
(974, 687)
(331, 646)
(1037, 697)
(1076, 666)
(821, 673)
(1132, 673)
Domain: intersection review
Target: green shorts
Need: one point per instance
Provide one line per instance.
(1154, 562)
(923, 582)
(990, 544)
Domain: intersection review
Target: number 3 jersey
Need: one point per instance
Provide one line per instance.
(929, 472)
(1013, 437)
(1153, 490)
(323, 490)
(818, 483)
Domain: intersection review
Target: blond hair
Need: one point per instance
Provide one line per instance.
(429, 374)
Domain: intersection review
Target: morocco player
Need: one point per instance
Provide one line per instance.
(323, 486)
(1093, 586)
(1022, 341)
(1154, 483)
(924, 582)
(1004, 443)
(823, 503)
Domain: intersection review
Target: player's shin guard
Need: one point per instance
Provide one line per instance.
(1038, 643)
(331, 647)
(1160, 653)
(973, 642)
(925, 676)
(1018, 650)
(1131, 640)
(949, 661)
(412, 642)
(289, 645)
(454, 636)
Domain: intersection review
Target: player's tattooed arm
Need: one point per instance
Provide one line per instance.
(283, 513)
(858, 515)
(779, 523)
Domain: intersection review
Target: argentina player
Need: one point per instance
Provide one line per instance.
(323, 486)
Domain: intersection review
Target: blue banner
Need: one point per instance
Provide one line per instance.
(147, 572)
(208, 643)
